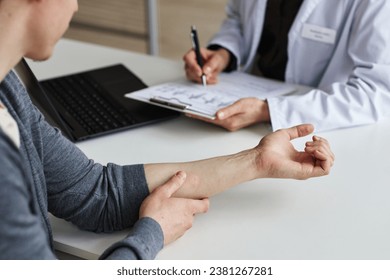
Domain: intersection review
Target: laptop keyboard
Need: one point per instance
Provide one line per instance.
(87, 102)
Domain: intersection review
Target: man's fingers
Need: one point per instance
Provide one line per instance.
(324, 162)
(299, 130)
(322, 145)
(200, 206)
(197, 206)
(173, 184)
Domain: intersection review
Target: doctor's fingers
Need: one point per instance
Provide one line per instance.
(189, 57)
(250, 106)
(228, 124)
(237, 107)
(214, 65)
(193, 77)
(193, 71)
(190, 62)
(235, 122)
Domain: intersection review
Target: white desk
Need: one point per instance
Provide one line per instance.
(345, 215)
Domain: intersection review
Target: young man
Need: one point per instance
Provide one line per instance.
(41, 171)
(339, 48)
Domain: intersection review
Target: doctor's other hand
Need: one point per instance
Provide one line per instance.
(277, 157)
(240, 114)
(175, 215)
(214, 62)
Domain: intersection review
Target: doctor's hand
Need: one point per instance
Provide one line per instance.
(175, 215)
(214, 62)
(277, 157)
(242, 113)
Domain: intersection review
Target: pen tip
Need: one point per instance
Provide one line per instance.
(204, 81)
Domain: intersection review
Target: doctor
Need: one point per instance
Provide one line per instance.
(339, 48)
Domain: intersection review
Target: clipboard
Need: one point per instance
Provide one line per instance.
(187, 97)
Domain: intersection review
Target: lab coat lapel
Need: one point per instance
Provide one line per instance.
(304, 13)
(255, 18)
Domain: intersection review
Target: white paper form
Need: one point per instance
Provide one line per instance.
(192, 98)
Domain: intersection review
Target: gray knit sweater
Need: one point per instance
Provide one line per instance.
(48, 173)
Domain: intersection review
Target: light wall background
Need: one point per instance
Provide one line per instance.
(123, 23)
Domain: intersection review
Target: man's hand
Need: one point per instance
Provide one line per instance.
(175, 215)
(277, 158)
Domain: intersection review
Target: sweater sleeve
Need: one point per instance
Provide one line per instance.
(143, 242)
(22, 235)
(99, 198)
(93, 197)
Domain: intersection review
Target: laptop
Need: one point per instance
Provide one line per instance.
(91, 103)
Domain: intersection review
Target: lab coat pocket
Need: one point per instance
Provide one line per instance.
(313, 56)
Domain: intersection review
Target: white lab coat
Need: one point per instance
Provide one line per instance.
(350, 77)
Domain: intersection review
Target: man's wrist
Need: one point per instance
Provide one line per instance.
(250, 163)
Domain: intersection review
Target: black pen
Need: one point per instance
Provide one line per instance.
(196, 46)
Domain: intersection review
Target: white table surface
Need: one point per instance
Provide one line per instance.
(341, 216)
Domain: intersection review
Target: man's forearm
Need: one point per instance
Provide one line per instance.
(206, 177)
(274, 157)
